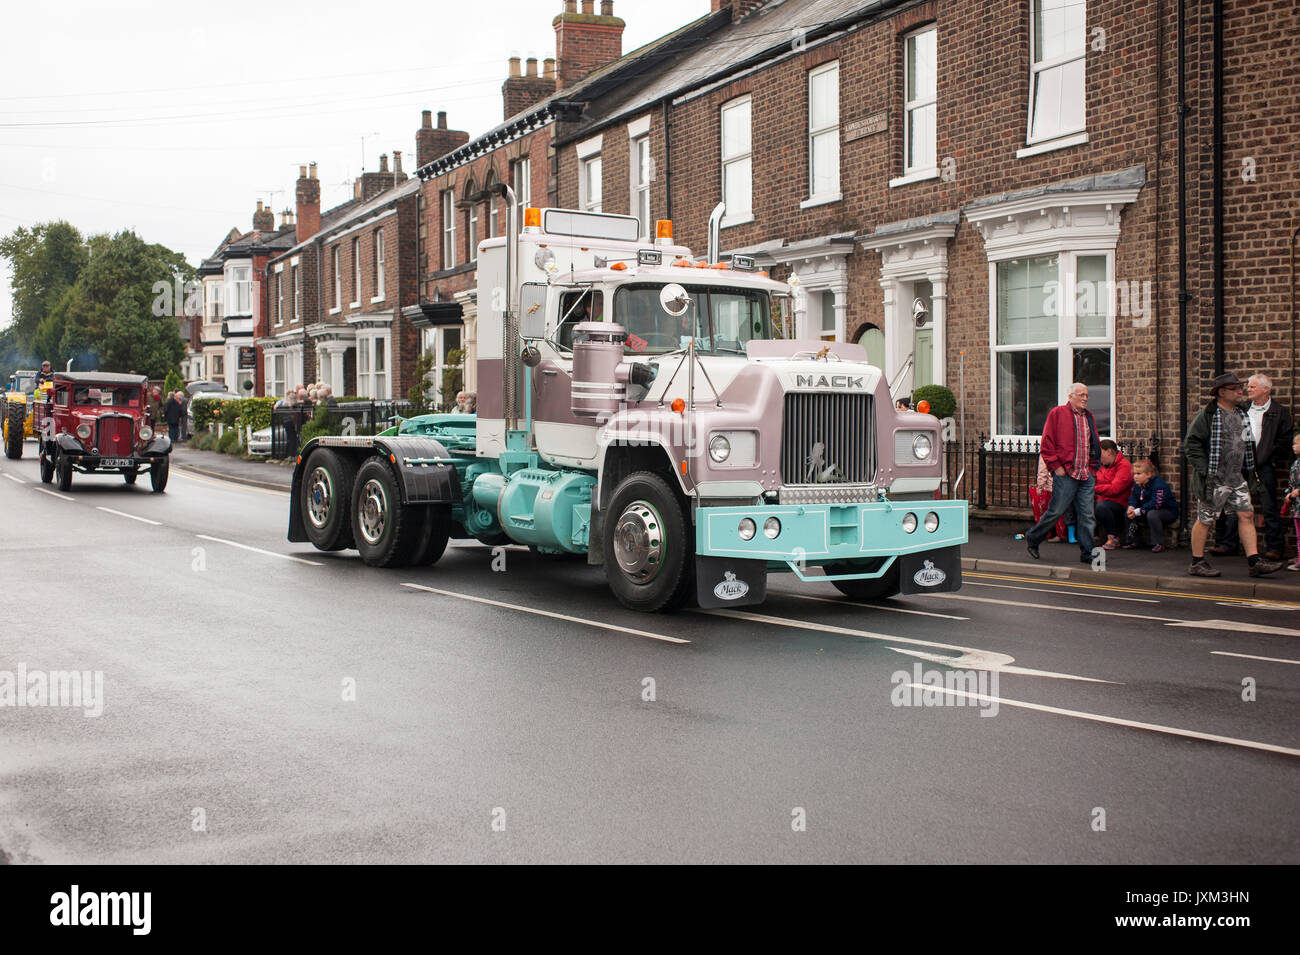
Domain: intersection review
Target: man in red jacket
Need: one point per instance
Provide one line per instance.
(1071, 451)
(1114, 484)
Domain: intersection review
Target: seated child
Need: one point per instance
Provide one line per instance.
(1151, 502)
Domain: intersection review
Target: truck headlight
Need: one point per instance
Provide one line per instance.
(146, 432)
(734, 449)
(771, 528)
(909, 523)
(747, 529)
(921, 447)
(914, 447)
(83, 432)
(931, 522)
(719, 448)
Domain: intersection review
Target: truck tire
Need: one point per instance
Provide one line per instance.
(648, 546)
(326, 499)
(877, 588)
(158, 472)
(434, 539)
(63, 470)
(13, 424)
(386, 533)
(130, 476)
(47, 467)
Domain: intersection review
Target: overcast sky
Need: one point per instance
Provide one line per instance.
(174, 118)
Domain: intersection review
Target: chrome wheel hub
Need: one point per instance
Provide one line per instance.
(320, 497)
(373, 512)
(639, 542)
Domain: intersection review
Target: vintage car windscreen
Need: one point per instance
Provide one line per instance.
(720, 320)
(106, 396)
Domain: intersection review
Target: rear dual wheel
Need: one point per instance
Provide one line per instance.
(326, 499)
(386, 533)
(14, 419)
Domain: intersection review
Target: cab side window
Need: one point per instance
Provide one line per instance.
(585, 306)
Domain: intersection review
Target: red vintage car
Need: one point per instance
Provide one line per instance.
(99, 423)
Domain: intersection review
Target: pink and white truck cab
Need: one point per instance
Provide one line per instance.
(637, 405)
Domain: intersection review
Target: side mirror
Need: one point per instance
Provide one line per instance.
(532, 311)
(674, 299)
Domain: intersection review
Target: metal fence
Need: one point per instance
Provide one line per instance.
(350, 418)
(999, 473)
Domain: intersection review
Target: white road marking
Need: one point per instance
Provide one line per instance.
(1251, 656)
(12, 478)
(1019, 603)
(179, 471)
(967, 656)
(1116, 721)
(142, 520)
(1258, 606)
(1073, 593)
(548, 613)
(61, 497)
(854, 603)
(258, 550)
(1236, 626)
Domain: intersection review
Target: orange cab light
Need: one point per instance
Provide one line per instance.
(532, 217)
(682, 263)
(701, 265)
(683, 467)
(663, 228)
(923, 406)
(619, 266)
(678, 405)
(719, 265)
(763, 274)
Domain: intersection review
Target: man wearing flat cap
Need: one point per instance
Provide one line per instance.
(1220, 452)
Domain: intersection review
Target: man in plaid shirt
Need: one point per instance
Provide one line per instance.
(1072, 451)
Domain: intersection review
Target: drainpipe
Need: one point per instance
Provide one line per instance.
(715, 231)
(1295, 233)
(668, 163)
(1217, 153)
(1183, 295)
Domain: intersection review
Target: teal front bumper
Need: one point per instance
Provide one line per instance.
(830, 533)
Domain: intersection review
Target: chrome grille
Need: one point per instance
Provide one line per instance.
(113, 436)
(845, 428)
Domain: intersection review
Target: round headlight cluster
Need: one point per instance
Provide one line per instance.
(771, 528)
(921, 447)
(931, 522)
(146, 432)
(83, 432)
(909, 523)
(719, 448)
(747, 529)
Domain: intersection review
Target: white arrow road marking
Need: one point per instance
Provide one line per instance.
(1020, 603)
(258, 550)
(1078, 593)
(15, 479)
(1251, 656)
(1236, 626)
(979, 659)
(852, 603)
(61, 497)
(1258, 606)
(1115, 721)
(142, 520)
(548, 613)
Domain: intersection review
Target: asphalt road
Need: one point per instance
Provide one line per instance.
(502, 715)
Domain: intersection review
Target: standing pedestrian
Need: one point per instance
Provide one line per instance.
(172, 415)
(1072, 452)
(1270, 424)
(1292, 503)
(1220, 452)
(1114, 485)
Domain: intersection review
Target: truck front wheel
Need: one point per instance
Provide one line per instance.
(387, 534)
(648, 546)
(63, 468)
(871, 588)
(326, 499)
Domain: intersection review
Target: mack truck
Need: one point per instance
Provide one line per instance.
(638, 406)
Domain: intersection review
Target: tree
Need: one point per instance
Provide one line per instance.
(46, 261)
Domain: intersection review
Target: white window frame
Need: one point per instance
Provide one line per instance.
(471, 222)
(279, 295)
(822, 132)
(297, 292)
(371, 383)
(435, 344)
(338, 280)
(910, 106)
(380, 291)
(591, 170)
(1067, 336)
(732, 162)
(1060, 137)
(275, 374)
(356, 272)
(241, 292)
(640, 183)
(448, 229)
(522, 175)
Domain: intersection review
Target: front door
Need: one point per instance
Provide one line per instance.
(923, 372)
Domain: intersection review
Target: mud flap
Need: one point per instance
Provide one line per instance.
(931, 571)
(730, 581)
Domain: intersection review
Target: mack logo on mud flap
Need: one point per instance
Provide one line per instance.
(731, 588)
(829, 381)
(929, 575)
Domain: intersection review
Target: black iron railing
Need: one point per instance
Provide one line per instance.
(346, 418)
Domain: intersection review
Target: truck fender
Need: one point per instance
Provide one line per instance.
(649, 448)
(423, 467)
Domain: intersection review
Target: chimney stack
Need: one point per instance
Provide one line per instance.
(738, 8)
(526, 88)
(584, 42)
(263, 219)
(383, 162)
(431, 143)
(307, 210)
(398, 175)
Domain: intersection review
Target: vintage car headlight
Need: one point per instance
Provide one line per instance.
(146, 432)
(719, 448)
(747, 529)
(921, 447)
(83, 432)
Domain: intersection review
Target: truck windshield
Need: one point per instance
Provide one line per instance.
(720, 319)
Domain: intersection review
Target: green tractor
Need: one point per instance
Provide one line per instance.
(16, 412)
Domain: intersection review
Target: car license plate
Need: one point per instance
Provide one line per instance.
(116, 462)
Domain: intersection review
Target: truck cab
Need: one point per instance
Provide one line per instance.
(638, 405)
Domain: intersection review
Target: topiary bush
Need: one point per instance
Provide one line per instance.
(942, 403)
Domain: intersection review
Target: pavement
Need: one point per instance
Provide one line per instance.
(266, 702)
(992, 546)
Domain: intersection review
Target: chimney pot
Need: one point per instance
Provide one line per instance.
(383, 162)
(397, 162)
(426, 119)
(302, 172)
(570, 6)
(606, 8)
(311, 169)
(532, 66)
(548, 68)
(514, 66)
(442, 119)
(588, 6)
(259, 205)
